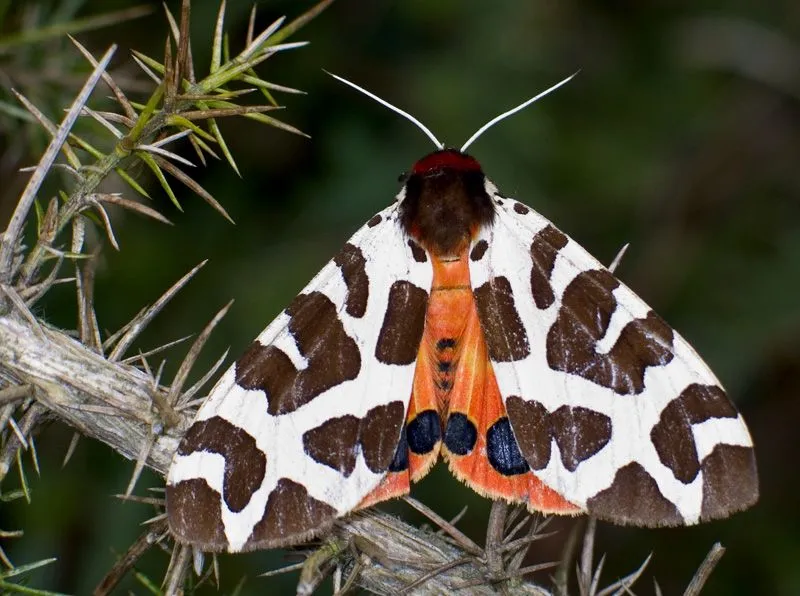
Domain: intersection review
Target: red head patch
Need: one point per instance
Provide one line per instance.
(446, 159)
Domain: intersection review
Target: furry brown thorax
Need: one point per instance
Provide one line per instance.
(445, 202)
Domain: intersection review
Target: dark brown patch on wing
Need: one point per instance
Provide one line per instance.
(380, 432)
(634, 498)
(265, 368)
(521, 209)
(530, 422)
(672, 436)
(582, 321)
(353, 265)
(730, 481)
(195, 514)
(544, 250)
(245, 463)
(333, 357)
(334, 443)
(417, 252)
(290, 512)
(502, 328)
(374, 220)
(478, 250)
(403, 323)
(579, 432)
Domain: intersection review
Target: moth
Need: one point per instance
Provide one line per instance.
(459, 322)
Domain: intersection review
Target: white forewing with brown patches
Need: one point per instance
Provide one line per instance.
(609, 405)
(306, 423)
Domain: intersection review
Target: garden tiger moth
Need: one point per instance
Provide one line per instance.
(458, 321)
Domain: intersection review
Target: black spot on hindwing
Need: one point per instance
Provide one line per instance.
(424, 432)
(503, 451)
(400, 459)
(460, 434)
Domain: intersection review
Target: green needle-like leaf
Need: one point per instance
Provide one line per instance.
(151, 163)
(131, 182)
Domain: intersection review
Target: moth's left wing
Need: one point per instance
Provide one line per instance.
(609, 405)
(306, 423)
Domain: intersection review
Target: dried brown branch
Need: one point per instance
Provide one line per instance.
(461, 539)
(14, 229)
(151, 536)
(68, 379)
(587, 578)
(131, 331)
(705, 569)
(188, 362)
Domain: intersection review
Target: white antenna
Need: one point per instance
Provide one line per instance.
(504, 115)
(422, 127)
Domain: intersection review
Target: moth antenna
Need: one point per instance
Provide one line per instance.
(406, 115)
(512, 111)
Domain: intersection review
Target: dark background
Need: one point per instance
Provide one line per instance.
(680, 135)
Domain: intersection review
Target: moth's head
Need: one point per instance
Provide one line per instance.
(444, 201)
(444, 162)
(445, 159)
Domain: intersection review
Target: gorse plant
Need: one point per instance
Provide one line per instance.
(181, 105)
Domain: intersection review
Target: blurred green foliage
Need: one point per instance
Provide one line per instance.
(681, 135)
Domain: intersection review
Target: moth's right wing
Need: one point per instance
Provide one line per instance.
(609, 406)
